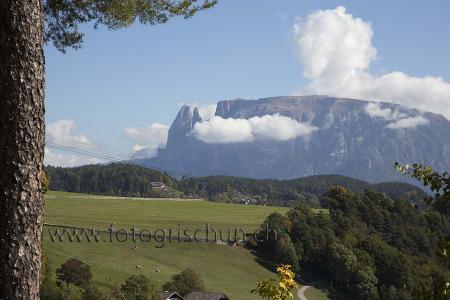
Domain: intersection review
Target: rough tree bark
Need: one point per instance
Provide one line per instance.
(21, 147)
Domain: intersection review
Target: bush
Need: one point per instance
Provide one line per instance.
(74, 272)
(186, 282)
(69, 291)
(93, 293)
(138, 287)
(285, 252)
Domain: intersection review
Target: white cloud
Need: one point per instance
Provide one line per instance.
(58, 158)
(398, 119)
(375, 110)
(61, 132)
(276, 127)
(333, 44)
(137, 147)
(335, 50)
(144, 153)
(410, 122)
(148, 139)
(219, 130)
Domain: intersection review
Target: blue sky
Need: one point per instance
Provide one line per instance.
(239, 49)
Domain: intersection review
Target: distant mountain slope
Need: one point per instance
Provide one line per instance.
(290, 192)
(354, 138)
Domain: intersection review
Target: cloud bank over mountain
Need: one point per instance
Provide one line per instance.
(335, 50)
(400, 120)
(269, 127)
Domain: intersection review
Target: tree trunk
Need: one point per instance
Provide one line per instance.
(21, 147)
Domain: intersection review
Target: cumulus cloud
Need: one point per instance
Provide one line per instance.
(148, 139)
(275, 127)
(335, 49)
(333, 44)
(62, 132)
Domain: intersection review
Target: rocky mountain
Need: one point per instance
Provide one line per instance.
(354, 138)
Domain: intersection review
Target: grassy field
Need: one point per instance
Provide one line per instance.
(232, 270)
(101, 211)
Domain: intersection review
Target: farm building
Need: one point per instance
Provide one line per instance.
(159, 186)
(168, 296)
(192, 296)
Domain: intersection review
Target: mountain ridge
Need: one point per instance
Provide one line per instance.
(351, 140)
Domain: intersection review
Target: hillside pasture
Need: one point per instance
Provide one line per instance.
(232, 270)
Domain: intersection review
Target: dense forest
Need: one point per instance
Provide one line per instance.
(131, 180)
(367, 247)
(111, 179)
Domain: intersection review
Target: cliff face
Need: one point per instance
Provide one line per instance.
(349, 141)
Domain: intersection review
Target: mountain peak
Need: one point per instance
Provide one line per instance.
(196, 117)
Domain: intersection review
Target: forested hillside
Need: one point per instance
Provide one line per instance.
(367, 247)
(112, 179)
(132, 180)
(290, 192)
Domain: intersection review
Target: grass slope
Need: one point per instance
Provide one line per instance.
(232, 270)
(313, 293)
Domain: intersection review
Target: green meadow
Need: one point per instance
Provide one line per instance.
(232, 270)
(100, 211)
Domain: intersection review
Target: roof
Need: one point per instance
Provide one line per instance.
(168, 296)
(206, 296)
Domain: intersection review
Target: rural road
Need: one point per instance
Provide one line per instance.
(301, 292)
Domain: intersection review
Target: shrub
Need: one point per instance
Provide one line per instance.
(74, 271)
(138, 287)
(186, 282)
(93, 293)
(69, 291)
